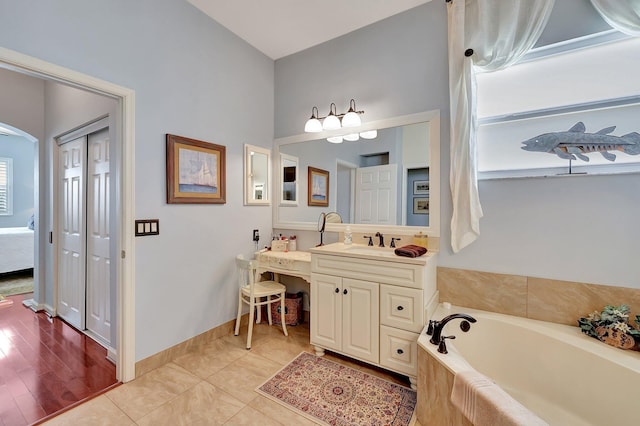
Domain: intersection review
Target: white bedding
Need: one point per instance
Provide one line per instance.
(16, 249)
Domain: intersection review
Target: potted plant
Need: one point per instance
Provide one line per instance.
(612, 327)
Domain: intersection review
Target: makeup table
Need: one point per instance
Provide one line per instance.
(293, 263)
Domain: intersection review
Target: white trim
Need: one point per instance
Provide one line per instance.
(577, 43)
(125, 178)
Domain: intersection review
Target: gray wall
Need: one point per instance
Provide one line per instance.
(192, 77)
(579, 228)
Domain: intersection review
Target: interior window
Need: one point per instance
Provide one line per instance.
(6, 174)
(571, 110)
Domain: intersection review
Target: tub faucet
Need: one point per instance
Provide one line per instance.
(381, 239)
(437, 326)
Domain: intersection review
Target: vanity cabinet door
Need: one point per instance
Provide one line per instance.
(326, 311)
(361, 319)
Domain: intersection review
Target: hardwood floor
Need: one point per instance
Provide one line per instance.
(45, 365)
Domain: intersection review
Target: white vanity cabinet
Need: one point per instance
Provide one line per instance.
(370, 306)
(344, 316)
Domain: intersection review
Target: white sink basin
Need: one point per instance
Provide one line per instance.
(370, 250)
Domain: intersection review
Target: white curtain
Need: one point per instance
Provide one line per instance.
(498, 32)
(623, 15)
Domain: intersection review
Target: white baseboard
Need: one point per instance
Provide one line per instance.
(112, 355)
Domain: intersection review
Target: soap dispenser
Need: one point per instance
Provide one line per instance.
(348, 237)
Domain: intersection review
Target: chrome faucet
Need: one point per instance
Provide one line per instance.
(435, 327)
(381, 237)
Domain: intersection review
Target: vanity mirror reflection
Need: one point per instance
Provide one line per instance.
(257, 175)
(388, 183)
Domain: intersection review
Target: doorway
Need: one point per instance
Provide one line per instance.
(122, 222)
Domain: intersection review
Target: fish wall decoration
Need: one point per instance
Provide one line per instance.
(576, 143)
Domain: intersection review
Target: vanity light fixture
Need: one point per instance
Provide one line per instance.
(335, 139)
(332, 121)
(351, 137)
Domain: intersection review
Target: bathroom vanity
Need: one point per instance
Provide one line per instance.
(369, 304)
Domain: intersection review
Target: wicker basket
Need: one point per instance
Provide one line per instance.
(294, 314)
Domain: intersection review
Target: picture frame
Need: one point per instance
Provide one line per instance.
(420, 187)
(317, 187)
(421, 205)
(196, 172)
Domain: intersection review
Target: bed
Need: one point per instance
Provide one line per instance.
(16, 249)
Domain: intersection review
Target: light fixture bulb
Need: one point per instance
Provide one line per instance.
(351, 137)
(313, 125)
(369, 134)
(331, 122)
(351, 118)
(335, 139)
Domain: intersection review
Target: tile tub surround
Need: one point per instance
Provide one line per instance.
(561, 302)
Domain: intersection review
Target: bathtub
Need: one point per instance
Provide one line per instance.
(557, 372)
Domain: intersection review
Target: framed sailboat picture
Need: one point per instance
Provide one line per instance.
(317, 187)
(195, 171)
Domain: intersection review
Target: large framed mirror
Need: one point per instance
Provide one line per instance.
(389, 184)
(257, 175)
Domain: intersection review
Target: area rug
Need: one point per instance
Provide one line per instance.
(11, 284)
(331, 393)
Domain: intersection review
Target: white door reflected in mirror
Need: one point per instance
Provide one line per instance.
(257, 175)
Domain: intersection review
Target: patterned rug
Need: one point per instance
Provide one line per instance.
(335, 394)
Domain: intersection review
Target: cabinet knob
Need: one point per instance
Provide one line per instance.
(400, 351)
(337, 290)
(400, 307)
(345, 291)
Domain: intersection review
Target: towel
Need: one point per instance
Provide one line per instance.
(483, 402)
(410, 251)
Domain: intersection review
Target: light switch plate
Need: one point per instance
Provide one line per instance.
(146, 227)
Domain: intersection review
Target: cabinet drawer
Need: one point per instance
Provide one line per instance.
(401, 307)
(395, 273)
(399, 350)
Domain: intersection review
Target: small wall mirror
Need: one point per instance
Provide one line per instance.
(257, 175)
(289, 180)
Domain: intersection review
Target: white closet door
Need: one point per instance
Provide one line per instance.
(376, 194)
(71, 233)
(98, 319)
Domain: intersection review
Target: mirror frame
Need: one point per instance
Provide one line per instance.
(433, 230)
(288, 203)
(248, 201)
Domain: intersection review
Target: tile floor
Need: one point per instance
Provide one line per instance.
(213, 385)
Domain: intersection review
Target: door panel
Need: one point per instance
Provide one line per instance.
(98, 255)
(71, 253)
(361, 319)
(326, 311)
